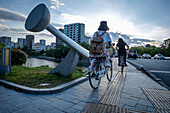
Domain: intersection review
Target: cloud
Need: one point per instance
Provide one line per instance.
(57, 25)
(4, 27)
(72, 18)
(22, 31)
(56, 4)
(6, 14)
(53, 7)
(45, 35)
(134, 41)
(142, 40)
(8, 29)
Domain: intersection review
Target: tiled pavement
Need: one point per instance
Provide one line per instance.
(73, 100)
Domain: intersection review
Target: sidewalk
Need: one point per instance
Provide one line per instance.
(74, 100)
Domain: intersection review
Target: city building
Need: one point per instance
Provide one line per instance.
(58, 41)
(29, 41)
(42, 41)
(24, 42)
(48, 47)
(38, 47)
(15, 45)
(87, 39)
(75, 31)
(20, 42)
(5, 39)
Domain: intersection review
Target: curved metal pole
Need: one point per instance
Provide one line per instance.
(75, 46)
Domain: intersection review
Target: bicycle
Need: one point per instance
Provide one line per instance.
(122, 64)
(97, 70)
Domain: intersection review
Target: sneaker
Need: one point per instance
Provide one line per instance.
(118, 64)
(107, 65)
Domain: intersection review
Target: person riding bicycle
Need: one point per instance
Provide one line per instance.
(121, 50)
(106, 40)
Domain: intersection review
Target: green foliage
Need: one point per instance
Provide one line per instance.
(61, 51)
(152, 50)
(18, 57)
(30, 52)
(50, 53)
(42, 52)
(85, 45)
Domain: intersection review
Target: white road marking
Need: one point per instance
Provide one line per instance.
(159, 71)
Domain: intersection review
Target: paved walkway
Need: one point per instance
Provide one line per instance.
(76, 98)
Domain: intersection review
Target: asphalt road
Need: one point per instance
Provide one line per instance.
(160, 68)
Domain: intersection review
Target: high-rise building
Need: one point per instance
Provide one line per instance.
(29, 41)
(53, 45)
(21, 42)
(5, 39)
(75, 31)
(87, 39)
(15, 45)
(42, 42)
(24, 42)
(58, 41)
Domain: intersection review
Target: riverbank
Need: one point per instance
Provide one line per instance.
(83, 62)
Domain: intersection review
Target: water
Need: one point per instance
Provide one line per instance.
(34, 62)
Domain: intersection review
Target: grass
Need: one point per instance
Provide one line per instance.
(33, 77)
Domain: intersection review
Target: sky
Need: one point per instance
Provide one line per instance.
(140, 19)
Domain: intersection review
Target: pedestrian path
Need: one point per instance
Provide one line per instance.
(75, 99)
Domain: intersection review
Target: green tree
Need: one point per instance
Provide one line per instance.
(85, 45)
(42, 52)
(18, 57)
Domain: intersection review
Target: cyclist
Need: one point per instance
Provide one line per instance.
(107, 39)
(121, 50)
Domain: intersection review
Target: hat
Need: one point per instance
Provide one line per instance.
(103, 26)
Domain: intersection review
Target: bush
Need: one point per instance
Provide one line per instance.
(18, 57)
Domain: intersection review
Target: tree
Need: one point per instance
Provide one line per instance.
(18, 57)
(148, 45)
(85, 45)
(42, 52)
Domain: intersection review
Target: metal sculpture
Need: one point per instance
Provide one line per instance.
(38, 20)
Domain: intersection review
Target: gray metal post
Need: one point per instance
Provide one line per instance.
(1, 60)
(4, 70)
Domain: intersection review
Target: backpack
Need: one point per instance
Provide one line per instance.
(97, 44)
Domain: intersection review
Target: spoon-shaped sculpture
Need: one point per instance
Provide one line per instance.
(39, 19)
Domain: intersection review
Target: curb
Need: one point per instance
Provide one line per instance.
(29, 90)
(138, 66)
(142, 68)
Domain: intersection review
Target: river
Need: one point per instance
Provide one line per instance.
(34, 62)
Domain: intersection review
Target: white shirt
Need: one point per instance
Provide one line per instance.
(106, 36)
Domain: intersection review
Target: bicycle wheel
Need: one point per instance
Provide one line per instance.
(122, 68)
(109, 72)
(93, 76)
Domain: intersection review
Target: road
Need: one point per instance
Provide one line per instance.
(160, 68)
